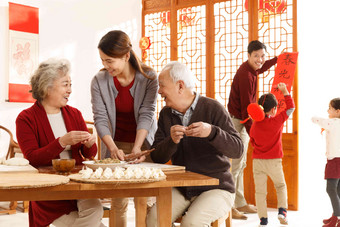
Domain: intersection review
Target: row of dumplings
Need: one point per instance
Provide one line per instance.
(121, 173)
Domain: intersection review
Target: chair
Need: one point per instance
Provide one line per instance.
(227, 218)
(92, 130)
(13, 149)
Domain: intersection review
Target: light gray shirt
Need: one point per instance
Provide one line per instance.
(185, 118)
(103, 94)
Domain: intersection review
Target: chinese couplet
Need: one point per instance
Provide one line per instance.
(284, 72)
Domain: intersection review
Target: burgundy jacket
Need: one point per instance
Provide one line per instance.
(39, 146)
(243, 90)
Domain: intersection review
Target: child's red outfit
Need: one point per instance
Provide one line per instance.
(266, 138)
(266, 135)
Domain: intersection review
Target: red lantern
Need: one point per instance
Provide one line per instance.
(144, 43)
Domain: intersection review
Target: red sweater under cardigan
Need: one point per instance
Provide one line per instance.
(39, 146)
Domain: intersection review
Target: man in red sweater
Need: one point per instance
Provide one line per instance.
(242, 93)
(266, 138)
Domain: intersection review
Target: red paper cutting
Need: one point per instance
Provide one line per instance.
(284, 72)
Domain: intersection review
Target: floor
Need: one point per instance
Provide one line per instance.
(296, 219)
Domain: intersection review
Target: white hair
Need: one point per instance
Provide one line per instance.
(47, 72)
(179, 71)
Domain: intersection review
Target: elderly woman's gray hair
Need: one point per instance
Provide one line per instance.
(47, 72)
(179, 71)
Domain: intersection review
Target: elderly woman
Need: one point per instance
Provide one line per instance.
(51, 129)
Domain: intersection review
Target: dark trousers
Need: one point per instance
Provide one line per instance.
(333, 190)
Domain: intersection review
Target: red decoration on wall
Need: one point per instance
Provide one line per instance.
(24, 43)
(144, 43)
(165, 18)
(23, 18)
(272, 6)
(284, 72)
(186, 17)
(268, 8)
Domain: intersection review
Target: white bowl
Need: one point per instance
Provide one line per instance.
(94, 166)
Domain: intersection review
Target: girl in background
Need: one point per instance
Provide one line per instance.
(332, 170)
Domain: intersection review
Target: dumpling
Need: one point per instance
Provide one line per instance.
(86, 173)
(107, 173)
(98, 173)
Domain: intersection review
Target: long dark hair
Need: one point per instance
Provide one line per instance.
(116, 44)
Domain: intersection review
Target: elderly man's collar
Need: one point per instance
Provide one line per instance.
(192, 106)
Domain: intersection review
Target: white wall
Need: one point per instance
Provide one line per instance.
(70, 29)
(318, 40)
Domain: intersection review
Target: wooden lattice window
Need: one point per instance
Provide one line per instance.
(275, 29)
(211, 37)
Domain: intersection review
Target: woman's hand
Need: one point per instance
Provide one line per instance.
(136, 151)
(74, 137)
(89, 143)
(117, 153)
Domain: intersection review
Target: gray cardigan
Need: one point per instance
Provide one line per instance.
(103, 94)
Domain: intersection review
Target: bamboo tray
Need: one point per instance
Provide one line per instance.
(30, 180)
(77, 178)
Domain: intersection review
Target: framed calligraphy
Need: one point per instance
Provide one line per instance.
(23, 50)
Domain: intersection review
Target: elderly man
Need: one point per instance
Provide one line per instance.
(195, 132)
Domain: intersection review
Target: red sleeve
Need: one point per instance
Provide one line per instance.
(33, 144)
(267, 65)
(247, 88)
(289, 102)
(282, 116)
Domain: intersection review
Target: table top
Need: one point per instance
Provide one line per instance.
(75, 190)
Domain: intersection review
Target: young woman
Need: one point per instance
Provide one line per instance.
(124, 95)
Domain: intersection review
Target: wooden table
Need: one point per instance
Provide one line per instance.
(73, 190)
